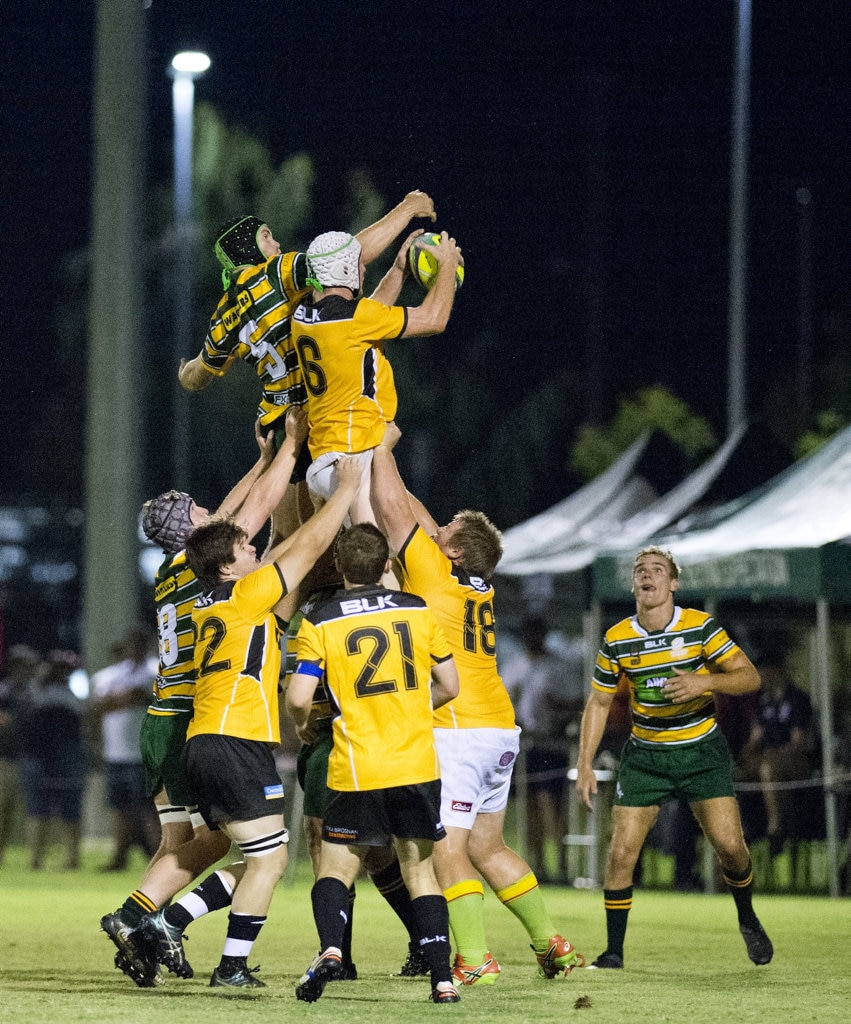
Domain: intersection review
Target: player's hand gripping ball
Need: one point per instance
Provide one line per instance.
(423, 264)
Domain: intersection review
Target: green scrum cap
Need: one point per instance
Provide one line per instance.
(236, 246)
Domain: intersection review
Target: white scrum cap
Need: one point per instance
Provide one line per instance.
(334, 261)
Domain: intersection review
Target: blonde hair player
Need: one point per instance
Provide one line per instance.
(674, 660)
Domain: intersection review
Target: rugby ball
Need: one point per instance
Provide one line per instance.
(423, 264)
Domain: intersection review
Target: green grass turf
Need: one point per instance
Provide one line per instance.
(685, 961)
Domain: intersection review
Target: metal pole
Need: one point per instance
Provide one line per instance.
(823, 689)
(737, 315)
(113, 413)
(183, 101)
(805, 304)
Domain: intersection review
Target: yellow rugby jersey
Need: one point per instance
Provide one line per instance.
(374, 648)
(690, 641)
(252, 322)
(463, 605)
(238, 658)
(175, 591)
(349, 381)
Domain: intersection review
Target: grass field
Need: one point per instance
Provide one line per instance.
(685, 961)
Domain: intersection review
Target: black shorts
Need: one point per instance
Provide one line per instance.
(372, 817)
(546, 767)
(125, 786)
(233, 779)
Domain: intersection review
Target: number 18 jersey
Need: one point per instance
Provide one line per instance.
(463, 605)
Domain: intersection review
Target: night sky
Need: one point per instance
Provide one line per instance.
(553, 137)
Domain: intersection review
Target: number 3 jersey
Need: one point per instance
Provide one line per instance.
(463, 605)
(238, 658)
(690, 642)
(375, 648)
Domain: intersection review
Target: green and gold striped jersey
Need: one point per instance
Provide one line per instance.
(463, 605)
(349, 381)
(252, 322)
(175, 591)
(374, 648)
(238, 658)
(321, 709)
(691, 642)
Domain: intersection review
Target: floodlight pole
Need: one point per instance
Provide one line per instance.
(737, 313)
(185, 68)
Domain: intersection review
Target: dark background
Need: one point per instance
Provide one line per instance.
(579, 152)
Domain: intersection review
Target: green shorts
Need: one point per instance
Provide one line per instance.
(162, 740)
(312, 773)
(652, 775)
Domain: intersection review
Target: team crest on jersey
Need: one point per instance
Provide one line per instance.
(462, 805)
(677, 643)
(506, 759)
(165, 588)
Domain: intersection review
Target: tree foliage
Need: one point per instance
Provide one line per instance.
(827, 424)
(657, 408)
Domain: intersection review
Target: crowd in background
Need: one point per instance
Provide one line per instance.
(55, 732)
(56, 728)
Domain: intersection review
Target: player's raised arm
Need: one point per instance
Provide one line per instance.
(390, 498)
(269, 488)
(432, 315)
(391, 284)
(375, 238)
(297, 555)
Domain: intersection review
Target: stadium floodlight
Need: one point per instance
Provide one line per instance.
(190, 62)
(186, 66)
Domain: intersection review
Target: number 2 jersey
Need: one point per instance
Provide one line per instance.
(252, 322)
(374, 648)
(238, 658)
(463, 605)
(690, 642)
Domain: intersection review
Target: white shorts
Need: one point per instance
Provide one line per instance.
(475, 772)
(321, 477)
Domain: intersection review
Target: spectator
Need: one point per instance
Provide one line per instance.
(16, 688)
(54, 761)
(780, 750)
(121, 693)
(548, 695)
